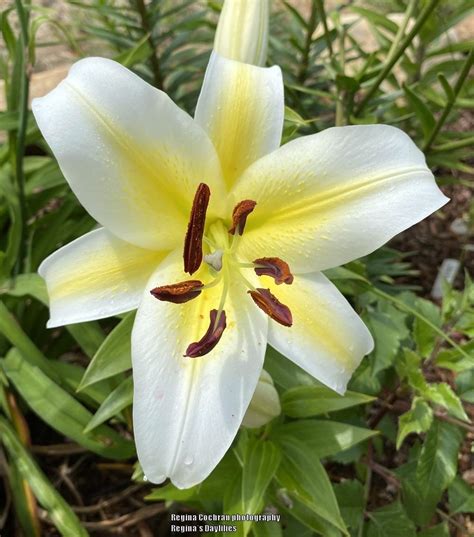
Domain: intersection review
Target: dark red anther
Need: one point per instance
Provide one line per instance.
(211, 337)
(193, 240)
(178, 292)
(272, 306)
(274, 267)
(239, 215)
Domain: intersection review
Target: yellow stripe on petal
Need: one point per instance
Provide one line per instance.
(187, 411)
(241, 108)
(96, 276)
(132, 157)
(327, 338)
(329, 198)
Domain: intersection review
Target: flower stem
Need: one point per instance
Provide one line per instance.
(396, 55)
(452, 99)
(311, 26)
(154, 62)
(322, 16)
(19, 138)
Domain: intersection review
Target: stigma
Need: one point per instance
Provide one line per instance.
(221, 243)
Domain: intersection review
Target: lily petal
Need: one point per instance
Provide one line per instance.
(328, 339)
(131, 156)
(187, 410)
(96, 276)
(241, 108)
(329, 198)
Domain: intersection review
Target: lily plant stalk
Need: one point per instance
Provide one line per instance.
(218, 236)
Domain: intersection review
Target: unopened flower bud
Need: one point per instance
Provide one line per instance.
(265, 403)
(242, 32)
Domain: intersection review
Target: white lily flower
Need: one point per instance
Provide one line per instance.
(147, 172)
(242, 31)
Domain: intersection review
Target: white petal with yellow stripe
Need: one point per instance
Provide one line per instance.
(329, 198)
(131, 156)
(241, 107)
(187, 411)
(327, 339)
(96, 276)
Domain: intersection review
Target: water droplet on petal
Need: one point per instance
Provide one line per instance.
(188, 460)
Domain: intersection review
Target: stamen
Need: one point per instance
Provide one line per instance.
(193, 240)
(211, 337)
(178, 293)
(239, 215)
(274, 267)
(272, 306)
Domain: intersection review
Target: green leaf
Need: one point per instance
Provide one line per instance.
(423, 113)
(442, 394)
(13, 332)
(296, 509)
(118, 399)
(26, 285)
(455, 360)
(260, 464)
(60, 410)
(304, 477)
(435, 470)
(446, 87)
(284, 372)
(350, 497)
(23, 501)
(441, 530)
(71, 375)
(417, 420)
(390, 521)
(113, 356)
(423, 335)
(375, 18)
(324, 438)
(58, 509)
(89, 336)
(306, 401)
(389, 330)
(461, 496)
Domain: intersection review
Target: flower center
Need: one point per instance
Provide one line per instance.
(222, 245)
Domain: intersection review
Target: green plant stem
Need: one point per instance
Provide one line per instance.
(401, 30)
(21, 134)
(457, 144)
(340, 98)
(322, 17)
(449, 105)
(154, 62)
(396, 55)
(312, 23)
(367, 486)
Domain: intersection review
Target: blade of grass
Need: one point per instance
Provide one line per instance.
(396, 55)
(449, 105)
(60, 410)
(59, 511)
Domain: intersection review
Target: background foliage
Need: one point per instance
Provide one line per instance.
(392, 457)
